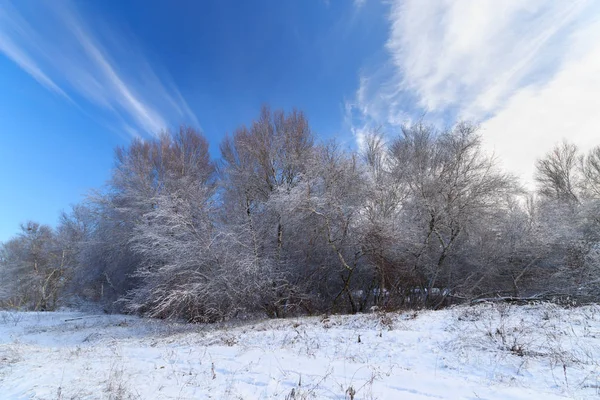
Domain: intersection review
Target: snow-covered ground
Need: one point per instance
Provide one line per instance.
(483, 352)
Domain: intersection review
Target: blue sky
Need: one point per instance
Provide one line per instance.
(78, 78)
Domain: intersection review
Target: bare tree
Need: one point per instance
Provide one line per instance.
(557, 174)
(282, 226)
(591, 172)
(34, 266)
(453, 186)
(265, 158)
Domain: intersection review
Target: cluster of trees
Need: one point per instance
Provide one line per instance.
(282, 225)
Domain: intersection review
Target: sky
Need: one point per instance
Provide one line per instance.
(78, 78)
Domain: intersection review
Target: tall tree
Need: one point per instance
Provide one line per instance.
(557, 173)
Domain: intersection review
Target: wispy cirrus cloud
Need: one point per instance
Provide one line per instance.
(520, 68)
(85, 64)
(14, 25)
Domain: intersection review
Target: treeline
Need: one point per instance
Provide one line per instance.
(284, 225)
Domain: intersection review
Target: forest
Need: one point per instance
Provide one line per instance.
(283, 224)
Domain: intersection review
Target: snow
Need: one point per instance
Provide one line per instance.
(488, 351)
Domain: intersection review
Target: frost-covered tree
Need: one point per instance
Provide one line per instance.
(177, 271)
(283, 225)
(558, 174)
(453, 187)
(325, 208)
(267, 157)
(568, 216)
(33, 268)
(591, 173)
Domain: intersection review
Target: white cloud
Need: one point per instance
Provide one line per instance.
(59, 49)
(537, 117)
(12, 51)
(527, 70)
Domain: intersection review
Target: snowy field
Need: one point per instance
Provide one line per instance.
(483, 352)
